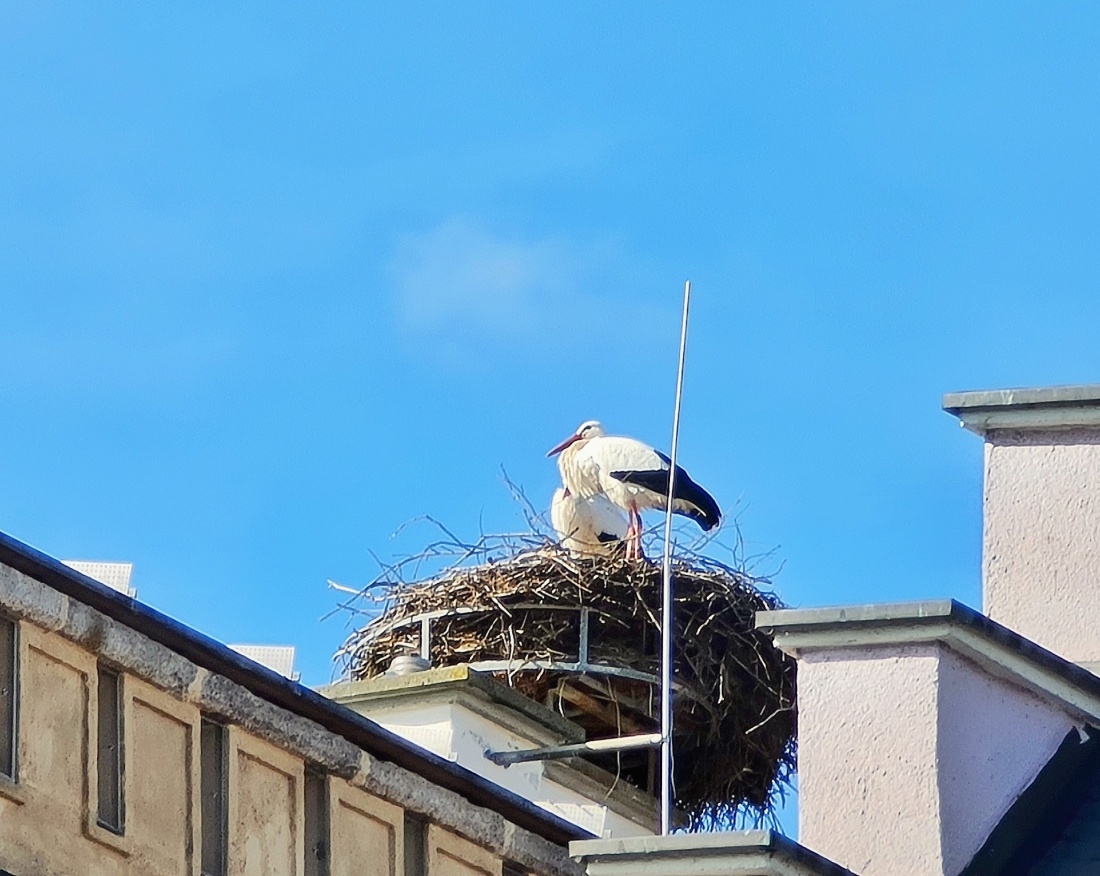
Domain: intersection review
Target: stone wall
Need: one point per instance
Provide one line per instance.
(47, 817)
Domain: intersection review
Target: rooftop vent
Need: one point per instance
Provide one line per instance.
(277, 658)
(114, 575)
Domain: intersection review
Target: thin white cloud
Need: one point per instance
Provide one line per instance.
(459, 285)
(458, 275)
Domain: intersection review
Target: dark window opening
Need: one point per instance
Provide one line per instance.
(9, 700)
(109, 751)
(416, 846)
(316, 823)
(213, 753)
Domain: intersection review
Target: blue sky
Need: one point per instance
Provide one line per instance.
(277, 279)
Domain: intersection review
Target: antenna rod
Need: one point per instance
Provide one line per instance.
(666, 593)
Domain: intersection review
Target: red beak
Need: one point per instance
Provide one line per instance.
(563, 445)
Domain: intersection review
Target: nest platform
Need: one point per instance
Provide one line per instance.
(582, 635)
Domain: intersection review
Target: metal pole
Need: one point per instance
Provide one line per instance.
(666, 593)
(554, 752)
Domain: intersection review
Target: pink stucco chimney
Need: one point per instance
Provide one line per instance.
(919, 725)
(1041, 534)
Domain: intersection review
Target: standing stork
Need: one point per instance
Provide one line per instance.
(633, 476)
(586, 526)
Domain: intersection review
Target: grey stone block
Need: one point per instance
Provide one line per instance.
(532, 851)
(307, 739)
(24, 597)
(437, 804)
(129, 650)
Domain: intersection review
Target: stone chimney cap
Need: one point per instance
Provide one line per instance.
(1052, 407)
(995, 648)
(763, 852)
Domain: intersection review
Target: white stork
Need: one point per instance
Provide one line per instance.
(633, 476)
(586, 526)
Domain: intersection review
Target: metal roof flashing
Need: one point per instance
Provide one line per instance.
(994, 648)
(1048, 408)
(748, 852)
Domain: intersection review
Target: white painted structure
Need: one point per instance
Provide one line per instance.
(277, 658)
(114, 575)
(460, 714)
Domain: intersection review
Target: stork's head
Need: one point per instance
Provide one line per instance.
(587, 429)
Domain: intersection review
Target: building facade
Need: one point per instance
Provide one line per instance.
(130, 744)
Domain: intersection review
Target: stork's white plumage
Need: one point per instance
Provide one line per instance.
(633, 476)
(586, 525)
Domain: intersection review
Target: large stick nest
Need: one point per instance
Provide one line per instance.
(734, 740)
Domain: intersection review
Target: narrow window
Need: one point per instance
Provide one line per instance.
(109, 751)
(9, 681)
(316, 826)
(416, 846)
(214, 812)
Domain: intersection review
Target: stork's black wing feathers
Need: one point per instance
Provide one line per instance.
(655, 479)
(701, 505)
(709, 512)
(606, 537)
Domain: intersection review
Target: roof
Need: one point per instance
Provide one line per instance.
(749, 852)
(1054, 407)
(968, 632)
(295, 698)
(1053, 828)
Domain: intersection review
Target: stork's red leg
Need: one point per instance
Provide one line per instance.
(634, 533)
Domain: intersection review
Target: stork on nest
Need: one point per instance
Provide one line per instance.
(522, 606)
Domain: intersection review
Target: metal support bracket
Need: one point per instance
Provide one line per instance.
(556, 752)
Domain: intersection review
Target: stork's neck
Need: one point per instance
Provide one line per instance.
(570, 471)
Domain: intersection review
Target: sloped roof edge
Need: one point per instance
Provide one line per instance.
(1030, 828)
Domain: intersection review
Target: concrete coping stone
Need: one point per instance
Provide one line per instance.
(1053, 407)
(417, 685)
(995, 648)
(470, 688)
(729, 852)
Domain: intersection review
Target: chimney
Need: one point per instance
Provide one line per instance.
(919, 725)
(1041, 510)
